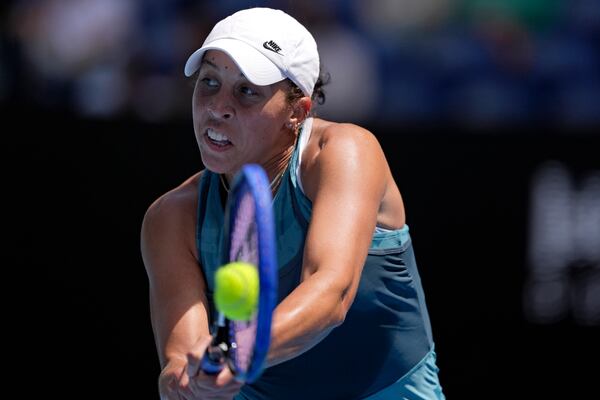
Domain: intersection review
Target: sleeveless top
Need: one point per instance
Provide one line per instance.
(386, 335)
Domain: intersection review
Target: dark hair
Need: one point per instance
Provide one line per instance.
(318, 95)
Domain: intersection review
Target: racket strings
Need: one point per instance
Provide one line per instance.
(244, 247)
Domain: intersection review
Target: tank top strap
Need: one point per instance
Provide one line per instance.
(301, 202)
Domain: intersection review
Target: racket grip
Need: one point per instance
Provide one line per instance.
(213, 360)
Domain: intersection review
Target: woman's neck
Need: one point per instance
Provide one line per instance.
(274, 167)
(277, 167)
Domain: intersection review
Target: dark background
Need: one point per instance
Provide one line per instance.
(81, 195)
(472, 105)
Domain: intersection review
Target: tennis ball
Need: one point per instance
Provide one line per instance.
(236, 290)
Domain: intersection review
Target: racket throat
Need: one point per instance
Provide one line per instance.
(221, 350)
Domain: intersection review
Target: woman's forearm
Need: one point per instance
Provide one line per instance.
(307, 316)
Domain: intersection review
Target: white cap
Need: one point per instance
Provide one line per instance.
(267, 45)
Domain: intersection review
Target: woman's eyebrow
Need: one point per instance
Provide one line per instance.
(212, 64)
(215, 66)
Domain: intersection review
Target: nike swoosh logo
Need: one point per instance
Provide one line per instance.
(271, 45)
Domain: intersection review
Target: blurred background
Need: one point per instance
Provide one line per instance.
(488, 112)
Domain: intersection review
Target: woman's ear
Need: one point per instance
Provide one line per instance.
(300, 110)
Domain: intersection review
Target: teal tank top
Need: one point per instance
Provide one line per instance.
(385, 344)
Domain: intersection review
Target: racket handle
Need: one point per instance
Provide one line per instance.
(213, 360)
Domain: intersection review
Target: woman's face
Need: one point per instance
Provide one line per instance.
(235, 121)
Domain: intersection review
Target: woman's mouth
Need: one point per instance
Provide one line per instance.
(217, 139)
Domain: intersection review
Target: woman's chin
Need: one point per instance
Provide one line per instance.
(215, 165)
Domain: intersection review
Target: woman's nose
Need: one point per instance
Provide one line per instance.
(220, 107)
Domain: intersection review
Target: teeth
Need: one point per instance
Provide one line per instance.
(214, 135)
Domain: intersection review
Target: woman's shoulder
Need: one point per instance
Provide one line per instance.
(338, 140)
(176, 204)
(336, 147)
(326, 131)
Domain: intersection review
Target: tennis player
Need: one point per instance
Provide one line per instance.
(351, 322)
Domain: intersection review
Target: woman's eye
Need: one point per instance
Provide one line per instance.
(210, 82)
(248, 91)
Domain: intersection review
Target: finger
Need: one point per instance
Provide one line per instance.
(186, 388)
(173, 395)
(204, 387)
(170, 393)
(224, 377)
(183, 382)
(168, 385)
(194, 356)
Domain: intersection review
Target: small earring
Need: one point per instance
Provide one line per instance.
(289, 125)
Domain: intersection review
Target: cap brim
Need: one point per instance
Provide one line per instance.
(256, 67)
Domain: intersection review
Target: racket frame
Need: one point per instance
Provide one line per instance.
(223, 349)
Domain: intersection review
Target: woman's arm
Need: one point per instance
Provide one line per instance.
(178, 303)
(346, 181)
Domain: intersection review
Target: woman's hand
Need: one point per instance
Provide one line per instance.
(169, 378)
(198, 385)
(181, 380)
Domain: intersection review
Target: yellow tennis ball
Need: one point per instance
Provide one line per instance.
(236, 290)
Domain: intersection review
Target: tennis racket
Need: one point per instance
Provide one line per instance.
(249, 237)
